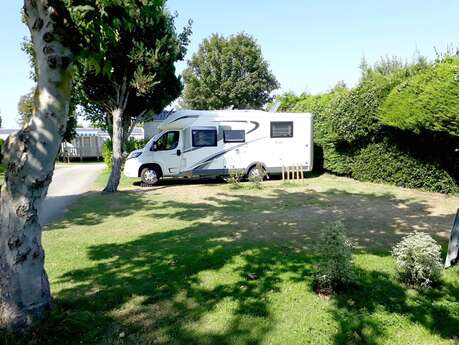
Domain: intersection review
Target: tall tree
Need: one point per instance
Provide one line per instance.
(30, 156)
(138, 75)
(228, 72)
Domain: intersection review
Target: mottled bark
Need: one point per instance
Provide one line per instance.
(117, 155)
(118, 114)
(30, 156)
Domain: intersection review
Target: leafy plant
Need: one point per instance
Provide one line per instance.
(335, 266)
(257, 178)
(235, 177)
(418, 259)
(130, 146)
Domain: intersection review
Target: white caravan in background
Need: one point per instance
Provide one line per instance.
(213, 143)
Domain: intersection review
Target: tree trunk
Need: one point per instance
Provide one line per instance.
(30, 156)
(117, 155)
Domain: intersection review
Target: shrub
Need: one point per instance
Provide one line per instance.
(130, 146)
(385, 162)
(418, 259)
(235, 177)
(335, 266)
(107, 153)
(258, 178)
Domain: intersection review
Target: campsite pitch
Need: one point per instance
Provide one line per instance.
(195, 263)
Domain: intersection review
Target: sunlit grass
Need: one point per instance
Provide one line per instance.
(186, 263)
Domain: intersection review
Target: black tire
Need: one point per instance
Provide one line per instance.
(150, 176)
(254, 170)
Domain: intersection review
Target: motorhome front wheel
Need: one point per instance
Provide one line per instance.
(149, 176)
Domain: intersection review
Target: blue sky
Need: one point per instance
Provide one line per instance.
(310, 45)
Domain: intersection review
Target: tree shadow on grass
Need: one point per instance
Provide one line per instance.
(362, 311)
(210, 281)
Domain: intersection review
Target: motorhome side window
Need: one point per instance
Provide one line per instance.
(233, 136)
(168, 141)
(281, 129)
(204, 137)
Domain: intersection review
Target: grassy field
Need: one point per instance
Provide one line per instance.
(173, 265)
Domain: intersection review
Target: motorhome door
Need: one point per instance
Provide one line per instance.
(168, 150)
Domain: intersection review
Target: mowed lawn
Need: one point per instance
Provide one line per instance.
(204, 263)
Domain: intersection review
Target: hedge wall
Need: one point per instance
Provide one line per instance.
(351, 139)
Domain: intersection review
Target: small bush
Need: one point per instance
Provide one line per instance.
(107, 153)
(131, 145)
(258, 178)
(335, 266)
(418, 260)
(235, 177)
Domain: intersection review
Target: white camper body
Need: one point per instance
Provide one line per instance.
(213, 143)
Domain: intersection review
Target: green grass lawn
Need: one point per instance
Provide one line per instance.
(171, 265)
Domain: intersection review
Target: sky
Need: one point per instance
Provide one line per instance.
(310, 45)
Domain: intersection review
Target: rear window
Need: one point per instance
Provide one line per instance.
(204, 137)
(281, 129)
(234, 136)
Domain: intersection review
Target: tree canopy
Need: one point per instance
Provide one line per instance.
(139, 45)
(228, 72)
(126, 73)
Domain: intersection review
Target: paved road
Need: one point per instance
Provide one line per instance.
(68, 183)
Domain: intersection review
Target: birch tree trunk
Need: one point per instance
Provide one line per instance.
(118, 136)
(30, 156)
(117, 155)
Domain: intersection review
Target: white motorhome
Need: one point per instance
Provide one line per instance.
(213, 143)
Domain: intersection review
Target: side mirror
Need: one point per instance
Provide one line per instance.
(179, 152)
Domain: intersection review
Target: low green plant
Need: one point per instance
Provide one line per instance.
(131, 145)
(235, 177)
(418, 260)
(335, 266)
(257, 178)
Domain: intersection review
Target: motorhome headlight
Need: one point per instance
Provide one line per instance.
(134, 154)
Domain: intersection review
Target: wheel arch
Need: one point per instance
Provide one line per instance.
(155, 166)
(253, 164)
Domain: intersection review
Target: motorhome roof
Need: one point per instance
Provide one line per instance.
(231, 113)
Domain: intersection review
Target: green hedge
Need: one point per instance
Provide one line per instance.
(351, 139)
(385, 162)
(427, 101)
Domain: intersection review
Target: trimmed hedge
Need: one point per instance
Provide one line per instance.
(385, 162)
(427, 101)
(351, 139)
